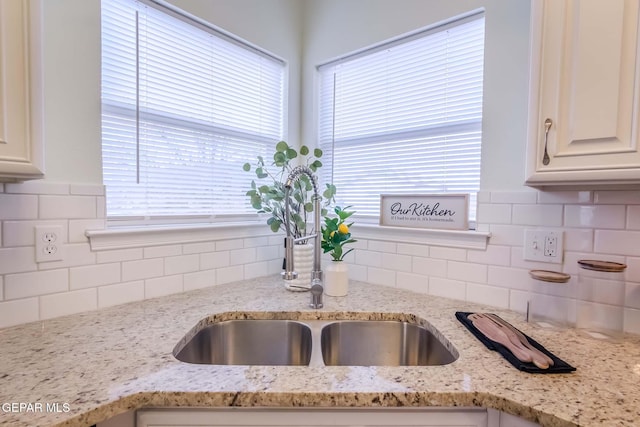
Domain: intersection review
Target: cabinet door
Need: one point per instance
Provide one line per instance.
(20, 130)
(584, 81)
(427, 417)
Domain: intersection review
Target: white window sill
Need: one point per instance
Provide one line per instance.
(467, 239)
(144, 236)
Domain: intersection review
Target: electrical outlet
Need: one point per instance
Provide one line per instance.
(49, 243)
(543, 245)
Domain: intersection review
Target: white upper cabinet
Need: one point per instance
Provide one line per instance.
(584, 93)
(21, 148)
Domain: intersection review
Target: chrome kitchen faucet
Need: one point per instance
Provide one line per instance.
(289, 272)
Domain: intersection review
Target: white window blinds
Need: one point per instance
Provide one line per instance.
(405, 116)
(183, 107)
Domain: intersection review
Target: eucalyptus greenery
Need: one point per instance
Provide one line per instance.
(267, 192)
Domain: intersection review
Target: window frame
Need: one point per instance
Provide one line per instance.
(476, 14)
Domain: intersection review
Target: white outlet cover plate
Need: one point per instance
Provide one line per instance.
(49, 250)
(534, 241)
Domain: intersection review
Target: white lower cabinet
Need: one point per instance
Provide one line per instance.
(429, 417)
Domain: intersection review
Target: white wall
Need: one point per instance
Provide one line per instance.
(333, 28)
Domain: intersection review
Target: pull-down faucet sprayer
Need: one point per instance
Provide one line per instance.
(316, 274)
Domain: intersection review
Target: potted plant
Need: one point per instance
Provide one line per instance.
(267, 195)
(336, 233)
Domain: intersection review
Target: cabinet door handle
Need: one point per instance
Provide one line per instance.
(547, 126)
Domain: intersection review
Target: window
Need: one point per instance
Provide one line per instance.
(405, 116)
(184, 105)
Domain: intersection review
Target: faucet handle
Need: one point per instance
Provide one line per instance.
(316, 293)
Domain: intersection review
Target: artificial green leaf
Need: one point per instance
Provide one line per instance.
(291, 153)
(275, 226)
(246, 167)
(317, 164)
(317, 152)
(308, 207)
(264, 189)
(282, 146)
(304, 150)
(279, 159)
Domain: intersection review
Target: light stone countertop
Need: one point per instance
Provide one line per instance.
(107, 362)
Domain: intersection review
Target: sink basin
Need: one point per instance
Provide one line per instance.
(381, 343)
(249, 342)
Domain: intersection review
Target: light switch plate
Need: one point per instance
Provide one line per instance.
(543, 245)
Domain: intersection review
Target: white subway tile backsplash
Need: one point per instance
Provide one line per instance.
(37, 187)
(226, 245)
(18, 206)
(488, 295)
(19, 311)
(540, 215)
(264, 253)
(181, 264)
(199, 280)
(467, 272)
(391, 261)
(77, 228)
(71, 207)
(617, 242)
(509, 277)
(510, 235)
(21, 233)
(578, 240)
(494, 214)
(75, 254)
(447, 288)
(94, 275)
(368, 258)
(229, 274)
(454, 254)
(413, 249)
(565, 197)
(381, 276)
(380, 246)
(143, 269)
(36, 283)
(513, 197)
(161, 286)
(633, 217)
(429, 266)
(253, 242)
(242, 256)
(633, 269)
(162, 251)
(17, 260)
(412, 282)
(632, 321)
(214, 260)
(256, 269)
(598, 225)
(198, 248)
(68, 303)
(494, 255)
(119, 255)
(617, 197)
(595, 216)
(120, 293)
(87, 189)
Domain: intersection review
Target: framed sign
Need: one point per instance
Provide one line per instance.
(443, 211)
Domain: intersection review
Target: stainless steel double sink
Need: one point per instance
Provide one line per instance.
(315, 343)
